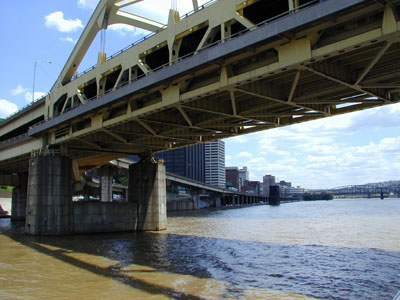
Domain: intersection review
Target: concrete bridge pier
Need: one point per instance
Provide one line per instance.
(274, 195)
(217, 201)
(19, 198)
(106, 176)
(147, 189)
(196, 199)
(49, 206)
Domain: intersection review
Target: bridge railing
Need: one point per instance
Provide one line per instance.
(26, 106)
(263, 23)
(143, 39)
(205, 5)
(14, 140)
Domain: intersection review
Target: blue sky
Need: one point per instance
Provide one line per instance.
(354, 148)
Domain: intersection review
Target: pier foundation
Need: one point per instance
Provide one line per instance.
(19, 198)
(49, 207)
(274, 195)
(106, 176)
(147, 189)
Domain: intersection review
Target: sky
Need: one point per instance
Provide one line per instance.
(355, 148)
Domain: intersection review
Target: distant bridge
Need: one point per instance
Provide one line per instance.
(365, 190)
(360, 190)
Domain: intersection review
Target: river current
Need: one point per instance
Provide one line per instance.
(340, 249)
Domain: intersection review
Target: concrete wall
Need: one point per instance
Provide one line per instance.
(179, 205)
(49, 205)
(104, 217)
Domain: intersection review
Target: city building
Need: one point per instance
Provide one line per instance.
(251, 187)
(232, 178)
(215, 163)
(284, 183)
(243, 176)
(187, 162)
(268, 180)
(292, 191)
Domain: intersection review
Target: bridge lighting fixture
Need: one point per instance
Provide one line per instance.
(34, 75)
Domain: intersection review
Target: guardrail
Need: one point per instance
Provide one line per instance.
(14, 140)
(25, 107)
(143, 39)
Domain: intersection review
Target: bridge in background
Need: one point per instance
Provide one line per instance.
(228, 68)
(366, 191)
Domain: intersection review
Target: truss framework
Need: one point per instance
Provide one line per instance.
(315, 71)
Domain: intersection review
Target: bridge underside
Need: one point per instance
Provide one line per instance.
(342, 62)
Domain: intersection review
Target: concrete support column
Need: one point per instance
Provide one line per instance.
(217, 201)
(19, 198)
(106, 176)
(196, 200)
(274, 195)
(49, 207)
(147, 188)
(194, 193)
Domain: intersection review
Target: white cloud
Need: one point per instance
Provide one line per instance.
(7, 108)
(87, 3)
(124, 30)
(20, 90)
(158, 9)
(68, 39)
(238, 139)
(354, 148)
(244, 155)
(28, 96)
(56, 20)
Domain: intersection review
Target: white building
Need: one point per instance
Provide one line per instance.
(215, 163)
(243, 176)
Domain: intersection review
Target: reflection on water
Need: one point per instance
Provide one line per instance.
(307, 250)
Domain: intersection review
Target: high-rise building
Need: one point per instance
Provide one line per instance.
(243, 176)
(187, 162)
(268, 180)
(215, 163)
(232, 178)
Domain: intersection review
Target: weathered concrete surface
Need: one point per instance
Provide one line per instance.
(19, 198)
(274, 195)
(49, 207)
(180, 205)
(106, 174)
(104, 217)
(147, 189)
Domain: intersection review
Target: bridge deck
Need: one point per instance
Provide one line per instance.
(329, 58)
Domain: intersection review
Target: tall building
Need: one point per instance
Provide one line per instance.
(243, 176)
(232, 178)
(215, 163)
(268, 180)
(187, 162)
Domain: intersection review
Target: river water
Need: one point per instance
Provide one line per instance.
(341, 249)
